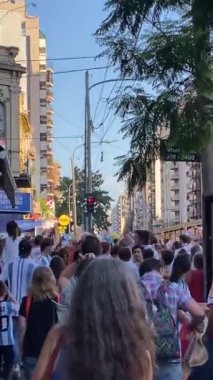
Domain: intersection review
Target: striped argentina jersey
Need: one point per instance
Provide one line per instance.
(18, 274)
(8, 309)
(44, 261)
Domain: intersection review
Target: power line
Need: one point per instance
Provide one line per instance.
(100, 95)
(66, 120)
(114, 117)
(62, 72)
(38, 138)
(58, 59)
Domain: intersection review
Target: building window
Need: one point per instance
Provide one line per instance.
(2, 119)
(43, 119)
(43, 85)
(42, 50)
(43, 137)
(23, 29)
(43, 103)
(43, 155)
(43, 67)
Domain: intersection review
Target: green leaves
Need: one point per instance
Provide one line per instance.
(166, 45)
(103, 199)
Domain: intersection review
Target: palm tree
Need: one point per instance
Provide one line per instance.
(167, 46)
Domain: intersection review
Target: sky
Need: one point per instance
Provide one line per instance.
(69, 26)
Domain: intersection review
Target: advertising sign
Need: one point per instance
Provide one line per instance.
(23, 203)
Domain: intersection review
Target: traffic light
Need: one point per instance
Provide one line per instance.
(90, 203)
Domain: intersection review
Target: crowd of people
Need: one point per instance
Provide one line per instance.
(100, 310)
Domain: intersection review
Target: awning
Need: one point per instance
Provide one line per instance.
(27, 225)
(7, 182)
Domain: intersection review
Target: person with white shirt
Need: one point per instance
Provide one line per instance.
(11, 246)
(18, 274)
(125, 255)
(36, 249)
(46, 248)
(186, 242)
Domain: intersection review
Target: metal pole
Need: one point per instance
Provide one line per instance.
(69, 208)
(74, 196)
(85, 158)
(88, 149)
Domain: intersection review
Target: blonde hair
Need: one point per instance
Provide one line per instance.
(43, 284)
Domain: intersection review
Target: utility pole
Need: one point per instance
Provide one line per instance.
(88, 164)
(69, 207)
(74, 196)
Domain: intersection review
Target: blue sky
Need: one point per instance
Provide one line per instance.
(68, 26)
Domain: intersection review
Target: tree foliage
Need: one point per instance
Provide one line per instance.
(166, 46)
(102, 197)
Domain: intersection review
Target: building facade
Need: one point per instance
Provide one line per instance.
(32, 150)
(181, 192)
(122, 214)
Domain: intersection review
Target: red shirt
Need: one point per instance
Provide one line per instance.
(196, 284)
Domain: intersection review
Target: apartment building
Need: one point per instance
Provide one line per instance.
(34, 153)
(181, 192)
(122, 214)
(141, 210)
(46, 123)
(13, 35)
(172, 195)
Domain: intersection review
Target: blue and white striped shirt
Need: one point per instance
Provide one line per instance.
(8, 309)
(44, 261)
(18, 274)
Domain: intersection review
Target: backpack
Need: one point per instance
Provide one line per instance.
(166, 329)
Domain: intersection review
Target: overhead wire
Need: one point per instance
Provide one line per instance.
(38, 138)
(120, 87)
(66, 120)
(61, 72)
(100, 95)
(58, 59)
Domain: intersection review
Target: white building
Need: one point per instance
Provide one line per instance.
(122, 214)
(181, 192)
(22, 31)
(172, 195)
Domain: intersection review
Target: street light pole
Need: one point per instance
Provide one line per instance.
(88, 159)
(69, 206)
(88, 132)
(74, 195)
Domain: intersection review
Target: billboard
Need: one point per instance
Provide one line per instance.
(23, 203)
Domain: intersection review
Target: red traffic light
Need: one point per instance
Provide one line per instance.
(91, 200)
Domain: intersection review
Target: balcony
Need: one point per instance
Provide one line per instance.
(43, 146)
(175, 198)
(49, 111)
(174, 220)
(43, 180)
(49, 77)
(49, 137)
(50, 96)
(43, 163)
(50, 163)
(49, 152)
(175, 186)
(49, 123)
(175, 208)
(175, 175)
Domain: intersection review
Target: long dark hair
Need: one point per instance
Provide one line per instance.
(181, 265)
(12, 229)
(109, 334)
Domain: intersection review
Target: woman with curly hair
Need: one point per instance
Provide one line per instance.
(107, 336)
